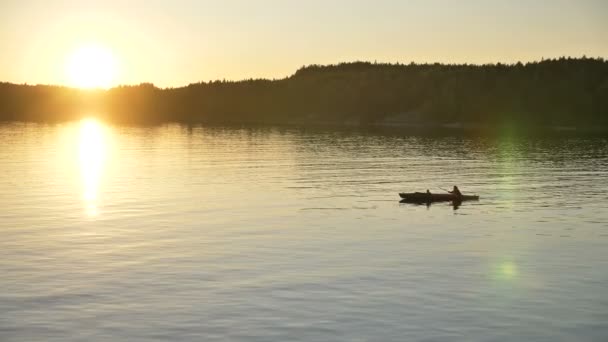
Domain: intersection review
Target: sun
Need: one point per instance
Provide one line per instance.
(91, 66)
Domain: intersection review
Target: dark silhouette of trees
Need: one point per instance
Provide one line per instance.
(556, 92)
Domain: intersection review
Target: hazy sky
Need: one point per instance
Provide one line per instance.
(173, 43)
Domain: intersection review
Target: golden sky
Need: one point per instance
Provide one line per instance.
(173, 43)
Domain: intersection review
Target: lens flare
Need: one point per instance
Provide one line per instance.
(508, 270)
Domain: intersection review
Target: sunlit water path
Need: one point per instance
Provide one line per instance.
(200, 234)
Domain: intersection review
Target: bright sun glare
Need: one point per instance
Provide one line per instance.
(92, 156)
(91, 66)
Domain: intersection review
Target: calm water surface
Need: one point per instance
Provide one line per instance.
(201, 234)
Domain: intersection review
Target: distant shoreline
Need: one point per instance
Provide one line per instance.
(562, 95)
(409, 129)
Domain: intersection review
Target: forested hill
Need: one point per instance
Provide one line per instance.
(556, 92)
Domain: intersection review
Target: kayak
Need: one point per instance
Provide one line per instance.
(423, 197)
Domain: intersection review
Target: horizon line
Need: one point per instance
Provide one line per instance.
(375, 62)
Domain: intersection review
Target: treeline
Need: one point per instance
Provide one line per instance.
(565, 91)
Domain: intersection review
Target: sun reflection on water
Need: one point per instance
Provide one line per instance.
(92, 155)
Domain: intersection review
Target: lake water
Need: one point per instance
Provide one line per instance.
(177, 233)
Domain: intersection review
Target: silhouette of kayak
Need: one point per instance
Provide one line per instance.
(423, 197)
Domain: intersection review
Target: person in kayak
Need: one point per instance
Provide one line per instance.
(456, 191)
